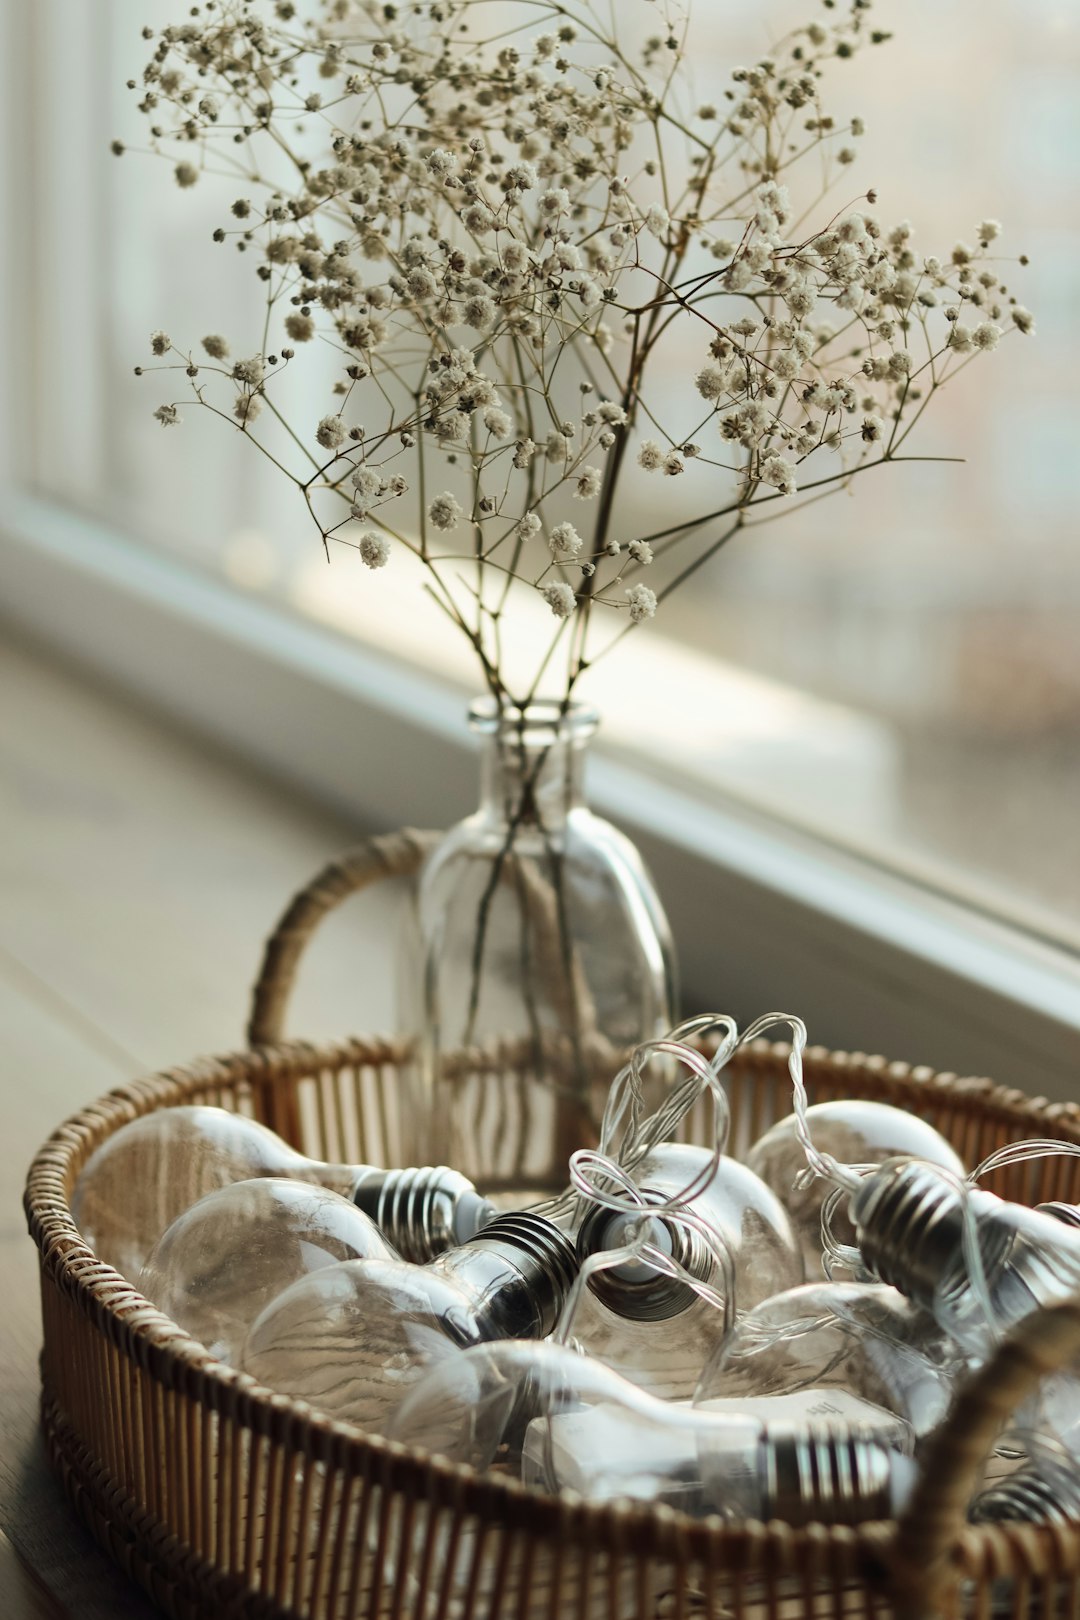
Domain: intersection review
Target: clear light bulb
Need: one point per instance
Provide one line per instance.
(911, 1222)
(560, 1420)
(146, 1174)
(651, 1326)
(223, 1261)
(854, 1132)
(1044, 1489)
(352, 1339)
(837, 1354)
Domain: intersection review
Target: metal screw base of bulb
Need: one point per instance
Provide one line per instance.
(910, 1223)
(1028, 1498)
(813, 1474)
(520, 1233)
(524, 1266)
(414, 1207)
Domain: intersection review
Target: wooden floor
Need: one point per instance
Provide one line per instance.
(139, 873)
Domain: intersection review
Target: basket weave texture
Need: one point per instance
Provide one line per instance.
(223, 1499)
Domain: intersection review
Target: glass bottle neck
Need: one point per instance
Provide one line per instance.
(532, 771)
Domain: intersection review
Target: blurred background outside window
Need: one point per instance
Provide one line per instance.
(897, 667)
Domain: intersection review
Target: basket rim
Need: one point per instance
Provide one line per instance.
(173, 1358)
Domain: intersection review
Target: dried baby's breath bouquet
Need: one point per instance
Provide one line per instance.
(538, 262)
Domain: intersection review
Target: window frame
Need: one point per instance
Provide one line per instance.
(763, 915)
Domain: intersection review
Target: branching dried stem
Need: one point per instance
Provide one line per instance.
(496, 216)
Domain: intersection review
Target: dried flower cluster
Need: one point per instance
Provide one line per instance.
(509, 229)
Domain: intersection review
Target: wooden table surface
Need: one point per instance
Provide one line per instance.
(139, 873)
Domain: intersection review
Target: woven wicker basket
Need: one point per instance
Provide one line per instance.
(222, 1499)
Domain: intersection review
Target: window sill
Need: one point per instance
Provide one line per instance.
(764, 915)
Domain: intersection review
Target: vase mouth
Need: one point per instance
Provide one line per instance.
(544, 720)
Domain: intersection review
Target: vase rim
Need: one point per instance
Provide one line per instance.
(549, 718)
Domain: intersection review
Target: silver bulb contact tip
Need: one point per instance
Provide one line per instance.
(637, 1290)
(423, 1211)
(473, 1213)
(813, 1474)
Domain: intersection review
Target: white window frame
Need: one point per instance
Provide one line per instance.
(764, 916)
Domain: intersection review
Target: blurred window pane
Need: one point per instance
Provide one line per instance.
(899, 665)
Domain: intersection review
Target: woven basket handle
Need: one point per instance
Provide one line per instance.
(396, 854)
(936, 1516)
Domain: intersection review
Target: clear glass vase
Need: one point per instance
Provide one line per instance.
(536, 954)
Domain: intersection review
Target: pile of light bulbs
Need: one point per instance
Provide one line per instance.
(672, 1328)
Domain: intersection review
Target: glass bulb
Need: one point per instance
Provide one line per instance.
(352, 1339)
(625, 1314)
(837, 1354)
(1044, 1489)
(560, 1420)
(221, 1262)
(1056, 1409)
(150, 1171)
(853, 1131)
(980, 1269)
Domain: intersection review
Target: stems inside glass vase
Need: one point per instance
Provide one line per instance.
(527, 742)
(541, 954)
